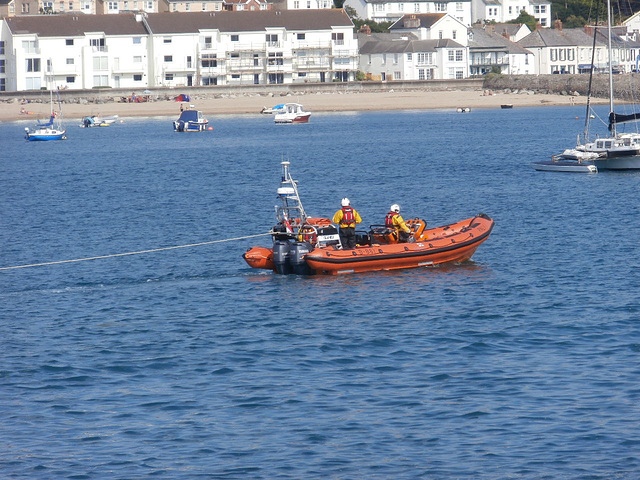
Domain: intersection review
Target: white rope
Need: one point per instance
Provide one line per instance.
(134, 253)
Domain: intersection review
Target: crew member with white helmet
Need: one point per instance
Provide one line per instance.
(394, 220)
(346, 218)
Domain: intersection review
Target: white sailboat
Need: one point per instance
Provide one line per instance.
(616, 151)
(50, 129)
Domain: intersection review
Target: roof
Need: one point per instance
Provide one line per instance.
(425, 20)
(75, 25)
(5, 2)
(548, 37)
(486, 39)
(369, 44)
(178, 22)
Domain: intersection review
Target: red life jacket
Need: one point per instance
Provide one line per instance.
(388, 220)
(348, 216)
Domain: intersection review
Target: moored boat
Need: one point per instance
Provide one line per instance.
(98, 121)
(50, 129)
(567, 166)
(190, 120)
(291, 113)
(311, 245)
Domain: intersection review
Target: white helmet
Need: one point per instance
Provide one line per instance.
(395, 208)
(345, 202)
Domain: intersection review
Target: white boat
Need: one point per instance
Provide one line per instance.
(567, 166)
(270, 110)
(615, 151)
(98, 121)
(50, 129)
(191, 120)
(292, 113)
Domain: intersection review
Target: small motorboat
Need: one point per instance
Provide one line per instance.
(271, 110)
(191, 120)
(292, 113)
(463, 110)
(305, 245)
(568, 166)
(98, 121)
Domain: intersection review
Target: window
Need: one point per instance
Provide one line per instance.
(207, 42)
(275, 58)
(2, 66)
(401, 7)
(272, 40)
(395, 58)
(101, 80)
(510, 10)
(209, 81)
(97, 44)
(397, 75)
(300, 36)
(168, 58)
(296, 4)
(30, 46)
(235, 55)
(137, 59)
(112, 6)
(166, 40)
(33, 64)
(209, 60)
(440, 34)
(454, 34)
(204, 6)
(416, 7)
(69, 42)
(302, 75)
(168, 77)
(338, 38)
(256, 60)
(33, 83)
(441, 7)
(70, 61)
(100, 63)
(2, 85)
(71, 79)
(137, 40)
(2, 47)
(384, 58)
(459, 7)
(425, 58)
(459, 55)
(187, 7)
(235, 38)
(235, 76)
(421, 74)
(137, 77)
(341, 61)
(451, 55)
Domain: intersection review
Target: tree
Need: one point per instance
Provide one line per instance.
(529, 20)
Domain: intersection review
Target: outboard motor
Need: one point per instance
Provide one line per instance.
(296, 258)
(281, 256)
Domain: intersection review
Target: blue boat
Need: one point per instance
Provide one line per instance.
(190, 121)
(44, 131)
(47, 130)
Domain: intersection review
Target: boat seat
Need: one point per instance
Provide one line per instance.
(417, 226)
(382, 234)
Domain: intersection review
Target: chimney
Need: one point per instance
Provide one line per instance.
(366, 29)
(505, 34)
(411, 22)
(588, 29)
(538, 27)
(558, 25)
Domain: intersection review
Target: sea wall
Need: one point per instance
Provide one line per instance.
(625, 85)
(110, 95)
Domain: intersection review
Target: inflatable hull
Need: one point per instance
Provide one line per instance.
(449, 244)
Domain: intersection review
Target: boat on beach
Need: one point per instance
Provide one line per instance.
(190, 120)
(306, 245)
(292, 113)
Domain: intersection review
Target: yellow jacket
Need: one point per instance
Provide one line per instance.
(398, 222)
(337, 218)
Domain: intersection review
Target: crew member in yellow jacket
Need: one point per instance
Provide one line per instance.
(394, 220)
(346, 218)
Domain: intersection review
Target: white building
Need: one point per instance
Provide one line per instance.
(76, 52)
(392, 10)
(309, 4)
(388, 57)
(493, 52)
(501, 11)
(177, 49)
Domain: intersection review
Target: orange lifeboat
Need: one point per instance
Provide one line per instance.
(447, 244)
(304, 245)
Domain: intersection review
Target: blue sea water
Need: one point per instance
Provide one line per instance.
(186, 363)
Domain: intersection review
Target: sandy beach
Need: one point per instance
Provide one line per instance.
(320, 102)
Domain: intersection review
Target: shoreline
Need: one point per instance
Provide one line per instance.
(318, 102)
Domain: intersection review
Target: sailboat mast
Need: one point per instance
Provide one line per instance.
(613, 126)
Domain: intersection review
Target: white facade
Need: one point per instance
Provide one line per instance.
(433, 27)
(392, 10)
(309, 4)
(181, 56)
(502, 11)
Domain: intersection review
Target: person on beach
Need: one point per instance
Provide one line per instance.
(347, 218)
(395, 221)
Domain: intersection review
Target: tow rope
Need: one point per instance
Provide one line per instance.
(135, 253)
